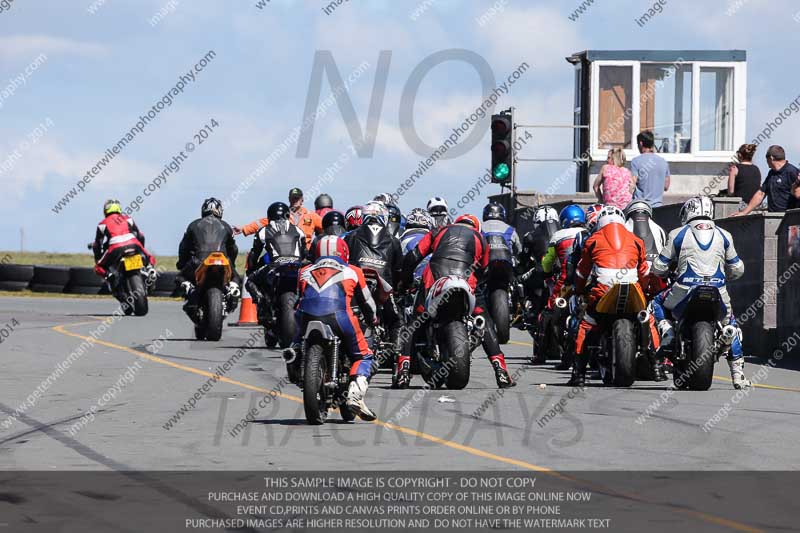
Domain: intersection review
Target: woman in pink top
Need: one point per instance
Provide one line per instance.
(615, 183)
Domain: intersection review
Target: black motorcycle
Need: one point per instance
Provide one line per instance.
(130, 281)
(277, 285)
(700, 339)
(499, 290)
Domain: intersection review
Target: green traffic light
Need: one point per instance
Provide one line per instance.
(501, 172)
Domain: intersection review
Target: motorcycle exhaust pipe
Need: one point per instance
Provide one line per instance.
(728, 334)
(479, 322)
(234, 291)
(561, 303)
(644, 330)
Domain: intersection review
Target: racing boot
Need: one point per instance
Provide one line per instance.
(578, 378)
(666, 333)
(355, 399)
(659, 374)
(402, 374)
(501, 374)
(737, 374)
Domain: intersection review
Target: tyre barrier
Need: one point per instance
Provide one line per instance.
(47, 278)
(165, 285)
(83, 280)
(70, 280)
(15, 277)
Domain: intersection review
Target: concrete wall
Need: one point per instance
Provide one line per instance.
(688, 178)
(788, 301)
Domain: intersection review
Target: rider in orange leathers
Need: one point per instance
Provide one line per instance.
(612, 255)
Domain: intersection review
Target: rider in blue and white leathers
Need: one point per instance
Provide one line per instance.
(698, 253)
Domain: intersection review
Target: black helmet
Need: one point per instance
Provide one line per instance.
(211, 206)
(333, 223)
(494, 211)
(323, 200)
(278, 211)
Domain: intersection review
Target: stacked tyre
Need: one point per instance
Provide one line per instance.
(48, 278)
(165, 284)
(15, 277)
(83, 281)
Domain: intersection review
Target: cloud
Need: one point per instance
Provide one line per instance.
(542, 36)
(24, 46)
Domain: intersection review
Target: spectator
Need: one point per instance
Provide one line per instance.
(614, 183)
(650, 171)
(780, 187)
(744, 177)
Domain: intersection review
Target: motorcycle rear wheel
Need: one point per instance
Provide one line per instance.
(137, 290)
(315, 402)
(287, 327)
(623, 339)
(213, 314)
(499, 310)
(703, 357)
(456, 344)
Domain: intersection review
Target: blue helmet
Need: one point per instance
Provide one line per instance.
(571, 216)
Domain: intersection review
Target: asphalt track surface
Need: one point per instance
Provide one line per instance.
(600, 429)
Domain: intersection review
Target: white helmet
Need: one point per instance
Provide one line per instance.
(436, 201)
(610, 214)
(545, 213)
(636, 206)
(374, 212)
(697, 207)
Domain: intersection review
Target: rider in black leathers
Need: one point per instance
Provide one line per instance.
(373, 246)
(204, 236)
(281, 241)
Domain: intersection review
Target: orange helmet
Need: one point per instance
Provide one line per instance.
(332, 245)
(469, 220)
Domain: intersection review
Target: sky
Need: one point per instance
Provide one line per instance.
(88, 70)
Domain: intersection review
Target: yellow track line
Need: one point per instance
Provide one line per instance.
(720, 378)
(444, 442)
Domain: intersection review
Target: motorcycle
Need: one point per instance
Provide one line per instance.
(325, 376)
(215, 296)
(552, 334)
(622, 348)
(130, 281)
(700, 339)
(443, 349)
(275, 309)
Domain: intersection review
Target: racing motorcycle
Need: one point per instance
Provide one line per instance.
(326, 370)
(700, 339)
(552, 334)
(622, 348)
(215, 296)
(442, 349)
(130, 281)
(279, 295)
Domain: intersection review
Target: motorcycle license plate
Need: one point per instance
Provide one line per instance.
(133, 262)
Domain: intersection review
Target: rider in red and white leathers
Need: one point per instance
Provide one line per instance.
(116, 233)
(699, 253)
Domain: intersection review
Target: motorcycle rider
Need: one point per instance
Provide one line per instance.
(116, 234)
(204, 236)
(418, 224)
(611, 255)
(394, 219)
(572, 220)
(326, 289)
(308, 221)
(699, 252)
(639, 220)
(534, 248)
(323, 204)
(437, 207)
(457, 249)
(373, 246)
(279, 240)
(503, 241)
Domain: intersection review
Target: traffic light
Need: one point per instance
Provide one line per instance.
(502, 148)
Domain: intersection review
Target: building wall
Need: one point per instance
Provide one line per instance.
(688, 178)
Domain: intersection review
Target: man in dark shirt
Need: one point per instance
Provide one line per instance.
(780, 187)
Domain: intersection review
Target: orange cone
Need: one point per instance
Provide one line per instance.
(248, 315)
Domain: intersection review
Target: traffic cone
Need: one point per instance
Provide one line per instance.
(248, 315)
